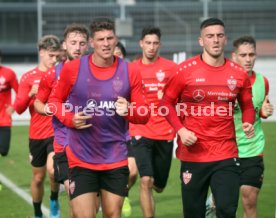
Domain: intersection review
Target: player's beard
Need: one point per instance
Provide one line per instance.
(215, 54)
(70, 58)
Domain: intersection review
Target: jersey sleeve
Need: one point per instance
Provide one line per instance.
(266, 93)
(14, 82)
(245, 102)
(45, 86)
(22, 99)
(172, 92)
(60, 92)
(139, 112)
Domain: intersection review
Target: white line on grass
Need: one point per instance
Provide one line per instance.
(20, 192)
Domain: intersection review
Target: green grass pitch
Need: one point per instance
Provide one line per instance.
(16, 167)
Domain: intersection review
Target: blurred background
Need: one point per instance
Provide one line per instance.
(22, 22)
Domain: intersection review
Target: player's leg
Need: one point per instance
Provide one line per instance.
(113, 191)
(195, 179)
(252, 170)
(84, 205)
(61, 173)
(38, 158)
(143, 155)
(5, 139)
(54, 186)
(162, 158)
(83, 191)
(37, 189)
(133, 172)
(224, 184)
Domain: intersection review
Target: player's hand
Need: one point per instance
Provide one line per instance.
(267, 107)
(248, 129)
(121, 106)
(9, 110)
(33, 90)
(79, 120)
(187, 137)
(48, 109)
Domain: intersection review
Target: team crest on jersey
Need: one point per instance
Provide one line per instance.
(160, 75)
(117, 84)
(72, 187)
(187, 177)
(232, 83)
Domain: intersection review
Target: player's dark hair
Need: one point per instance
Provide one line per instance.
(75, 27)
(122, 48)
(101, 23)
(150, 30)
(211, 22)
(244, 40)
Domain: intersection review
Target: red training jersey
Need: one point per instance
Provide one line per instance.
(45, 87)
(8, 81)
(40, 126)
(207, 97)
(154, 76)
(63, 87)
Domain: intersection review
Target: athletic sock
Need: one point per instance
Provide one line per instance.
(37, 209)
(54, 196)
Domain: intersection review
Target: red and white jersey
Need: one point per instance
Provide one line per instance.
(8, 81)
(207, 97)
(154, 76)
(46, 85)
(40, 126)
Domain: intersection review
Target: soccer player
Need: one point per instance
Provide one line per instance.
(8, 81)
(153, 142)
(251, 150)
(75, 44)
(41, 131)
(104, 93)
(120, 51)
(207, 86)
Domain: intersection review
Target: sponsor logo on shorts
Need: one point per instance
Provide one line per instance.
(187, 177)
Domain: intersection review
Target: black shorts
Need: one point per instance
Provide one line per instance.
(39, 150)
(61, 168)
(153, 158)
(222, 176)
(5, 139)
(252, 171)
(129, 149)
(84, 180)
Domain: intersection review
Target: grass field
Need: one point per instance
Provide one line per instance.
(16, 167)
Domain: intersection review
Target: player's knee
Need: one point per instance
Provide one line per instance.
(249, 203)
(38, 179)
(146, 182)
